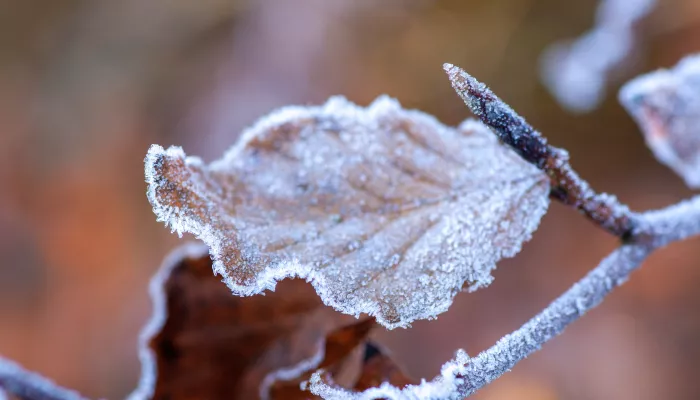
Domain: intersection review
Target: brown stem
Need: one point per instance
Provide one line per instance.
(567, 187)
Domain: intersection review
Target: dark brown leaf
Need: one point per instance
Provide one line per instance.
(378, 368)
(337, 350)
(206, 343)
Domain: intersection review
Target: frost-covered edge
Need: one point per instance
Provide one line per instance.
(156, 288)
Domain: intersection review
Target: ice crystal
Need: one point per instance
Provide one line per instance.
(666, 105)
(384, 210)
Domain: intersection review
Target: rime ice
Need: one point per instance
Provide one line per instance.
(666, 105)
(384, 210)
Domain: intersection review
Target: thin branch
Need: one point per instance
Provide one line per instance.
(27, 385)
(570, 306)
(567, 187)
(661, 227)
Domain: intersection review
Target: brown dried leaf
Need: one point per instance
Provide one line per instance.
(203, 342)
(378, 368)
(385, 211)
(333, 359)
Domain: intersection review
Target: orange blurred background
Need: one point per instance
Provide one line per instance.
(87, 86)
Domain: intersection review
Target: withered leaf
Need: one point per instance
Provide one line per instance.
(666, 105)
(377, 368)
(333, 358)
(205, 343)
(385, 211)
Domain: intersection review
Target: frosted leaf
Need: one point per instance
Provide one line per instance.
(385, 211)
(666, 105)
(577, 72)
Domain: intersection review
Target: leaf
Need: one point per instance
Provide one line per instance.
(385, 211)
(666, 105)
(333, 358)
(379, 368)
(203, 342)
(375, 369)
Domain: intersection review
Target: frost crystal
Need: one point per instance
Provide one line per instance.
(577, 72)
(666, 104)
(384, 210)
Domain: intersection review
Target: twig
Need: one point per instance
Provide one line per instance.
(27, 385)
(567, 187)
(579, 299)
(461, 378)
(662, 227)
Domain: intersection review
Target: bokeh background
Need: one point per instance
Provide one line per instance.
(87, 86)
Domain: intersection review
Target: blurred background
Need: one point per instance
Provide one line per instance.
(87, 86)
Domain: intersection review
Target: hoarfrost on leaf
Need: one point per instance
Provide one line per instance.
(666, 105)
(384, 210)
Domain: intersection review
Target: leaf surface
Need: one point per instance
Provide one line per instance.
(385, 211)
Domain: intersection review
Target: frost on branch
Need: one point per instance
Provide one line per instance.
(16, 382)
(385, 211)
(666, 105)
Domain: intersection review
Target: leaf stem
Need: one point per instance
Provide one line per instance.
(567, 186)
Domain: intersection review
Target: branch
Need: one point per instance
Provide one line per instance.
(26, 385)
(659, 228)
(570, 306)
(567, 187)
(463, 376)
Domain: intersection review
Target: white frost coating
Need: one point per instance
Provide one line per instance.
(156, 288)
(576, 72)
(444, 386)
(23, 384)
(666, 105)
(385, 211)
(293, 372)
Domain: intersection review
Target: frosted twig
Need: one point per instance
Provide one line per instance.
(464, 376)
(26, 385)
(577, 72)
(661, 227)
(567, 187)
(579, 299)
